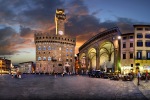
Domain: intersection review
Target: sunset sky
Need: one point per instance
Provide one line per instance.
(19, 19)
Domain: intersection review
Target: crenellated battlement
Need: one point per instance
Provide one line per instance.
(55, 50)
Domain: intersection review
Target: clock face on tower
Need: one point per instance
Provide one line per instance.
(60, 32)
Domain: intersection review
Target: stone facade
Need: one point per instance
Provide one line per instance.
(101, 51)
(55, 52)
(26, 67)
(135, 50)
(142, 47)
(5, 64)
(127, 53)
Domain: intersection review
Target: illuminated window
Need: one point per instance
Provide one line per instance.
(71, 50)
(59, 48)
(39, 58)
(148, 54)
(139, 55)
(59, 59)
(44, 58)
(44, 48)
(67, 50)
(49, 48)
(49, 58)
(39, 48)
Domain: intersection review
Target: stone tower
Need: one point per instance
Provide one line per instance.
(60, 21)
(55, 52)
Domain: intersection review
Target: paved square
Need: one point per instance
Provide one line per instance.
(68, 87)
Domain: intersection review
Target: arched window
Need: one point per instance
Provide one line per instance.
(59, 59)
(49, 58)
(39, 58)
(49, 48)
(39, 48)
(44, 58)
(44, 48)
(71, 50)
(59, 48)
(67, 50)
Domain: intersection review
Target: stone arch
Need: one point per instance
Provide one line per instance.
(106, 55)
(92, 57)
(83, 60)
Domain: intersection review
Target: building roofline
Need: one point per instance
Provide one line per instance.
(94, 37)
(127, 34)
(141, 25)
(27, 62)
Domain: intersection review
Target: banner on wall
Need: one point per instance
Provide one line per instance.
(146, 67)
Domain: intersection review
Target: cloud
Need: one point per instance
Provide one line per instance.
(80, 21)
(83, 25)
(38, 15)
(26, 32)
(11, 41)
(31, 15)
(6, 41)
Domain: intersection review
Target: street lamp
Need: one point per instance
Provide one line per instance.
(119, 37)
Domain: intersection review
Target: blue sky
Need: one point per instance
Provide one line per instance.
(110, 9)
(19, 19)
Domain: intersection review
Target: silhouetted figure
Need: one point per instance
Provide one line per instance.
(138, 76)
(146, 76)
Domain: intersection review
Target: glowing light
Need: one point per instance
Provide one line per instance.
(119, 37)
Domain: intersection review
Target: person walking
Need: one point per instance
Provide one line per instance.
(146, 76)
(138, 76)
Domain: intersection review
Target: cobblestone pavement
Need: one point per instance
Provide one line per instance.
(144, 87)
(68, 87)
